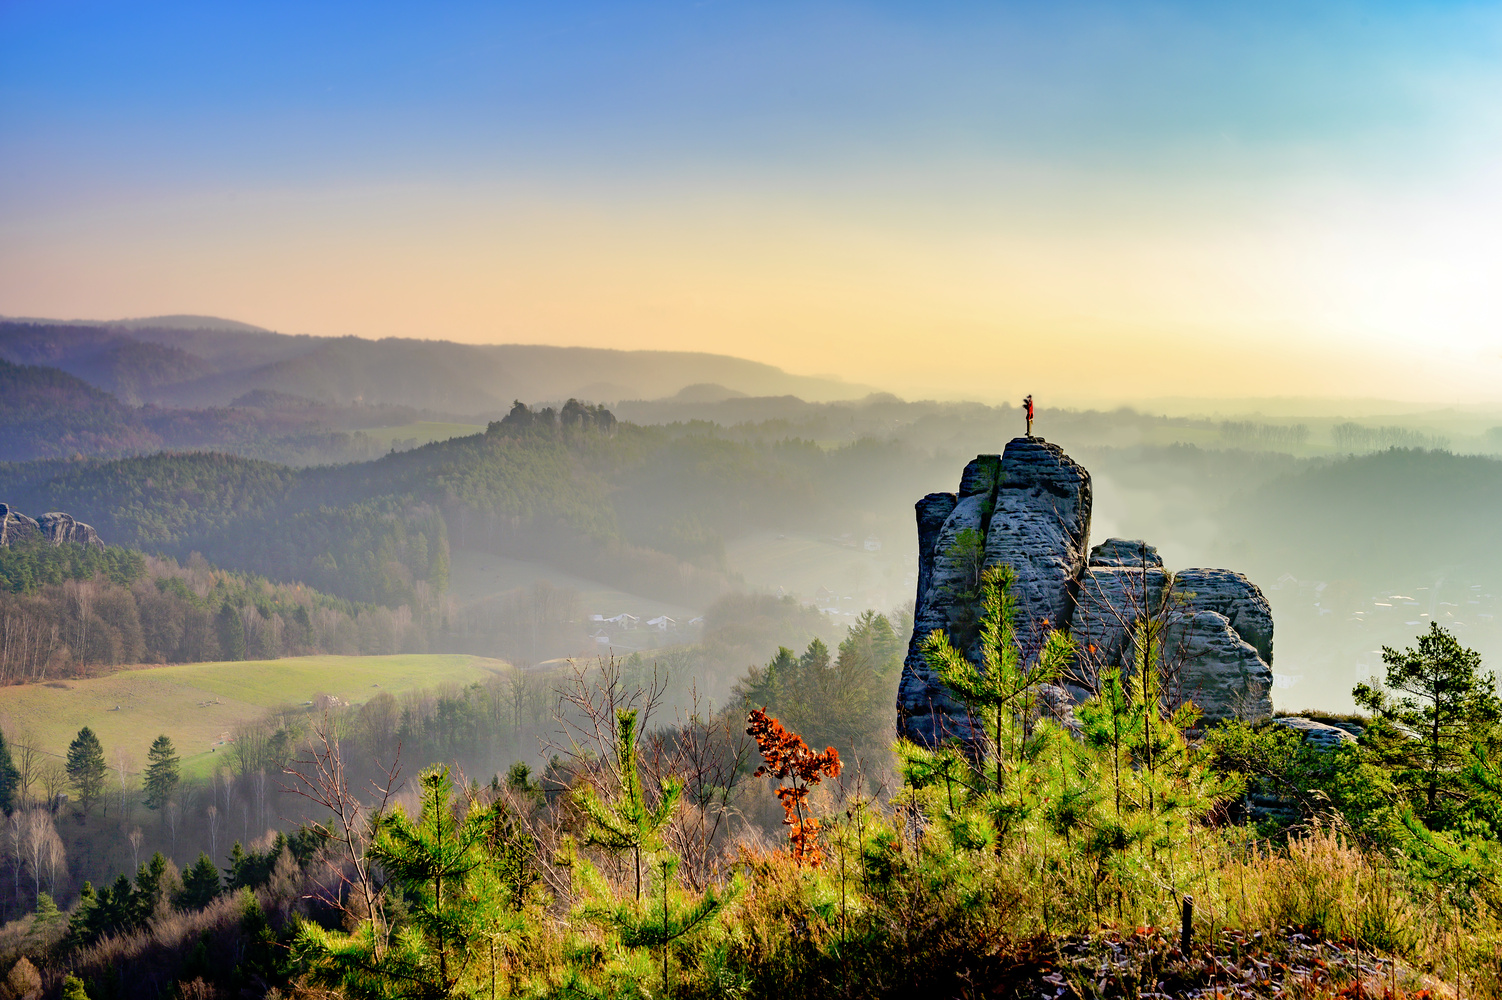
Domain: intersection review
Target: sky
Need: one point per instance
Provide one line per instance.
(1092, 202)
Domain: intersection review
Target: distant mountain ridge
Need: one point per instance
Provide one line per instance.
(203, 361)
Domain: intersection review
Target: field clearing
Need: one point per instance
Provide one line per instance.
(198, 704)
(423, 432)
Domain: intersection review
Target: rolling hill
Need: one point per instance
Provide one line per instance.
(172, 362)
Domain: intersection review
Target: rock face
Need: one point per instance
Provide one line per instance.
(1041, 527)
(1322, 735)
(16, 527)
(1125, 581)
(1230, 594)
(1208, 663)
(60, 527)
(56, 527)
(1030, 508)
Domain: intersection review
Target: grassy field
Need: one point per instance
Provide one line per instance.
(197, 704)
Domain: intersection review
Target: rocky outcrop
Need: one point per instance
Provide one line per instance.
(60, 528)
(1124, 582)
(55, 527)
(1230, 594)
(1207, 662)
(925, 704)
(1029, 508)
(1040, 527)
(16, 527)
(1322, 735)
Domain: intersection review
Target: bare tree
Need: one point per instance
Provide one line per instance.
(708, 755)
(213, 814)
(585, 711)
(122, 767)
(28, 764)
(320, 775)
(53, 778)
(41, 845)
(170, 814)
(135, 846)
(53, 857)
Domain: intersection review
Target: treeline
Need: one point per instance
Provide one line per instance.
(1353, 437)
(148, 610)
(35, 563)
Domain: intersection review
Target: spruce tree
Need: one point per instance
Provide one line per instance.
(10, 777)
(86, 767)
(231, 632)
(200, 885)
(162, 774)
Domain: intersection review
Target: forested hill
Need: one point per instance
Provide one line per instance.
(643, 509)
(1393, 512)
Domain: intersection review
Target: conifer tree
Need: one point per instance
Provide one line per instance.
(162, 773)
(200, 884)
(10, 778)
(1448, 702)
(231, 632)
(627, 822)
(440, 862)
(1001, 689)
(86, 767)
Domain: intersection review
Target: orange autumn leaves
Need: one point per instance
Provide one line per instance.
(787, 757)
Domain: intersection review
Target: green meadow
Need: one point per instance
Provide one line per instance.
(199, 704)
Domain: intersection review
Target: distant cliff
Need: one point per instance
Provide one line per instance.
(1030, 508)
(56, 528)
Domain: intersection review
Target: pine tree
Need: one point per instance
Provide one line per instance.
(1447, 703)
(86, 767)
(441, 865)
(73, 988)
(1001, 689)
(627, 822)
(162, 774)
(200, 884)
(10, 777)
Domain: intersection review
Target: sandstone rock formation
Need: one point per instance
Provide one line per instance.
(16, 527)
(1321, 734)
(1207, 662)
(1124, 582)
(1230, 594)
(55, 527)
(1030, 508)
(60, 527)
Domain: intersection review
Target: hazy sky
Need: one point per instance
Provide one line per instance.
(1092, 201)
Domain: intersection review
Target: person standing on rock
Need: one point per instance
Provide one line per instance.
(1027, 408)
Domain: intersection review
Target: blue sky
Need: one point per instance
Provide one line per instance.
(815, 185)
